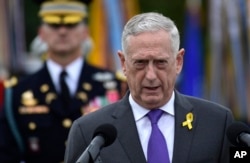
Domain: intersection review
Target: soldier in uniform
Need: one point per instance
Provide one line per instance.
(39, 109)
(1, 94)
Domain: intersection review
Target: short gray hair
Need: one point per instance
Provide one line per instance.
(151, 22)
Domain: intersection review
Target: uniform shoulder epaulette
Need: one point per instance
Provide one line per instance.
(10, 82)
(120, 76)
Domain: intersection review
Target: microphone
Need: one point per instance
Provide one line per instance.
(103, 136)
(238, 134)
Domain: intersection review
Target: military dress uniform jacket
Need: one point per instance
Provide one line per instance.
(1, 93)
(38, 120)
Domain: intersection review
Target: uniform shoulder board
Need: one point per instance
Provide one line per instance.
(120, 76)
(10, 82)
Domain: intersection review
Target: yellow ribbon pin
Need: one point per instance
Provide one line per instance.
(189, 120)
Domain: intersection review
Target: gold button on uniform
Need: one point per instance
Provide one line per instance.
(87, 86)
(82, 96)
(32, 126)
(66, 123)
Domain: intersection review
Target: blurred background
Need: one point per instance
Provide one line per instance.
(214, 33)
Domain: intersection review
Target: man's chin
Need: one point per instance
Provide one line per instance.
(62, 51)
(152, 101)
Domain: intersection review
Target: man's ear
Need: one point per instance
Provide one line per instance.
(85, 32)
(41, 33)
(122, 60)
(179, 60)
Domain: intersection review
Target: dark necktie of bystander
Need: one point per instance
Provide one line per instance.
(65, 94)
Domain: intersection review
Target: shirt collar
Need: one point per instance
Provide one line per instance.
(72, 69)
(140, 112)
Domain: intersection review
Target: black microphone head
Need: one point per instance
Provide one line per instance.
(234, 131)
(108, 131)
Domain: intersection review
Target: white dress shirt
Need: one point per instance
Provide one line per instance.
(73, 74)
(165, 123)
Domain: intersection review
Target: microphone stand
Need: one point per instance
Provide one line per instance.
(92, 153)
(85, 157)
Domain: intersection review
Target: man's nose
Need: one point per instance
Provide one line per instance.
(150, 72)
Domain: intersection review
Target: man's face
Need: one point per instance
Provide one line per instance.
(63, 39)
(151, 68)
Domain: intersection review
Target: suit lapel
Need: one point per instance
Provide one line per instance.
(128, 135)
(183, 135)
(127, 132)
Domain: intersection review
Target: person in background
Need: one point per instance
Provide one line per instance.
(39, 109)
(3, 76)
(37, 54)
(155, 123)
(1, 94)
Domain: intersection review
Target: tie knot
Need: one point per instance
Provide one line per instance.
(154, 115)
(63, 74)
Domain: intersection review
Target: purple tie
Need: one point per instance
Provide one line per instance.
(157, 146)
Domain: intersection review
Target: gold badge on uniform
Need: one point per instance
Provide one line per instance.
(40, 109)
(120, 76)
(28, 99)
(50, 97)
(10, 82)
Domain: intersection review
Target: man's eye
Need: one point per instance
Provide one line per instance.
(162, 63)
(56, 26)
(139, 63)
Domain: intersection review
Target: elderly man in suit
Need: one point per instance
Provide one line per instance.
(187, 129)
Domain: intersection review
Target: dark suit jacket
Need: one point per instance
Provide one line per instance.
(204, 143)
(40, 118)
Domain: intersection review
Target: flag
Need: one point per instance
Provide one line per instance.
(191, 78)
